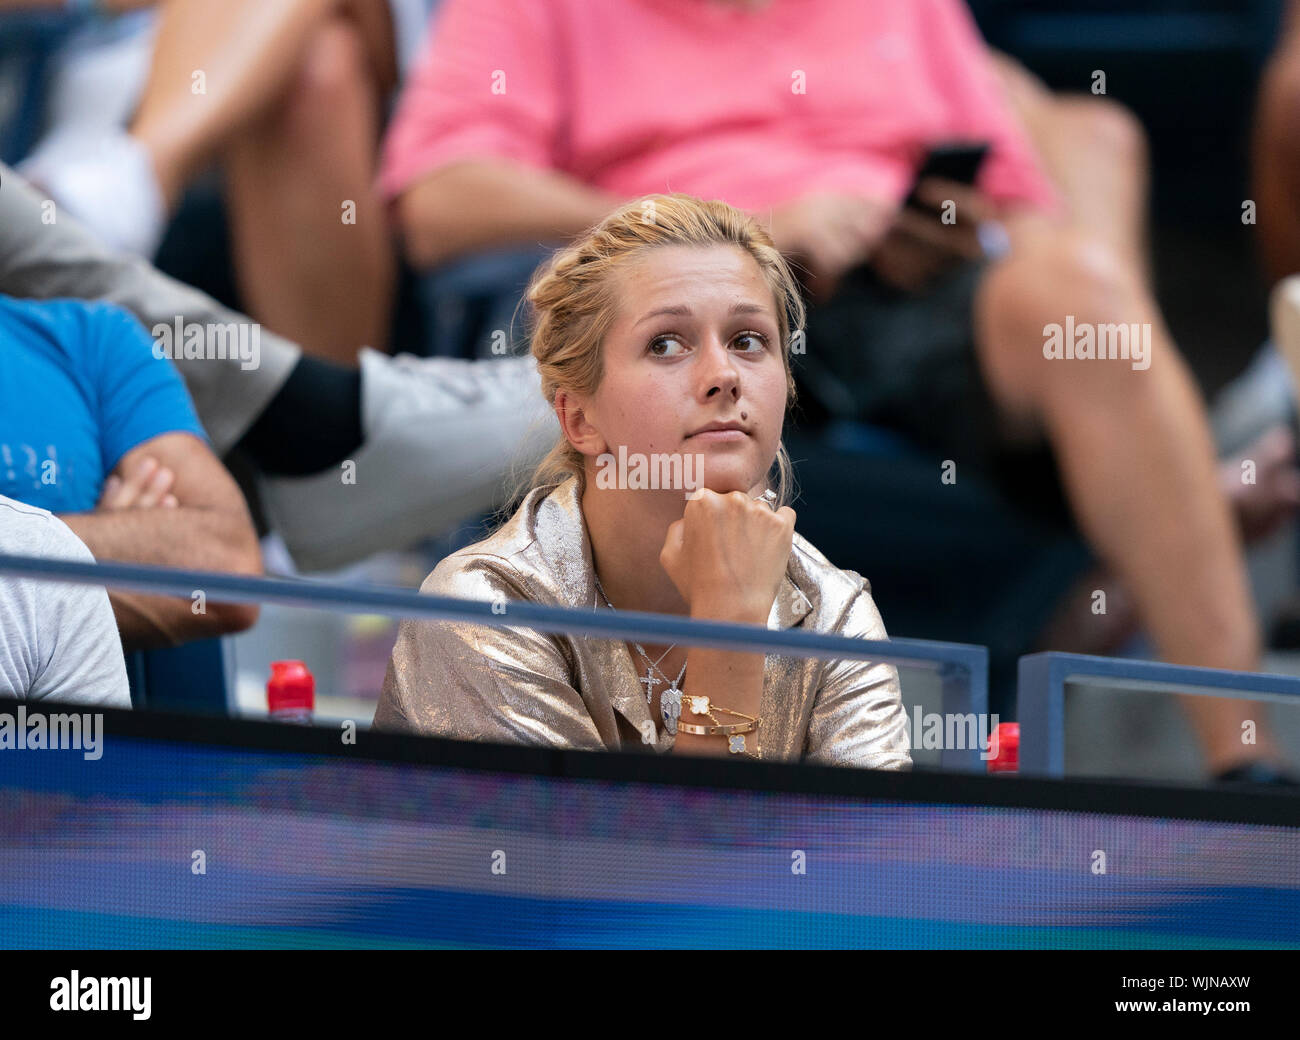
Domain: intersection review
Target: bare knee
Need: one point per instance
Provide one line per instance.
(333, 71)
(1028, 95)
(1061, 279)
(1105, 128)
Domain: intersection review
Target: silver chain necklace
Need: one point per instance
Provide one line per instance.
(671, 701)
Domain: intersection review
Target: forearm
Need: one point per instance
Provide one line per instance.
(480, 203)
(186, 536)
(192, 538)
(148, 622)
(730, 680)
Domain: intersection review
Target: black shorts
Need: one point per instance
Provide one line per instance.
(906, 362)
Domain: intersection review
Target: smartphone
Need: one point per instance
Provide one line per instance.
(958, 161)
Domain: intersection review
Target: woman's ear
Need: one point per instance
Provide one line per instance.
(572, 411)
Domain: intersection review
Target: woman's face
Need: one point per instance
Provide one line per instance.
(696, 343)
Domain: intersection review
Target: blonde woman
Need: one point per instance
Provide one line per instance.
(663, 333)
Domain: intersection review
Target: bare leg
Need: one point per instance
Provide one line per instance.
(1260, 510)
(303, 271)
(1134, 446)
(1094, 150)
(1136, 455)
(1276, 151)
(247, 52)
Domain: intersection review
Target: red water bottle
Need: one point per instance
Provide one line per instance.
(291, 692)
(1007, 759)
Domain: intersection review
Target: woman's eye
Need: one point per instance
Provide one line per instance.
(666, 343)
(757, 341)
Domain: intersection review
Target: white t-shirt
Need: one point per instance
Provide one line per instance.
(58, 641)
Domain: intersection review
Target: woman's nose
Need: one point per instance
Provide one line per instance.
(718, 369)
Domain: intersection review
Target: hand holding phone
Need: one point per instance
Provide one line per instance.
(937, 227)
(959, 162)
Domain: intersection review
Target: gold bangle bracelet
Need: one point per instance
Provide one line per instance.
(717, 731)
(735, 714)
(700, 705)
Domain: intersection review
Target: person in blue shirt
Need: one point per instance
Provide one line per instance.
(98, 428)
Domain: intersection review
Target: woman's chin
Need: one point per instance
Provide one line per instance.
(724, 484)
(726, 471)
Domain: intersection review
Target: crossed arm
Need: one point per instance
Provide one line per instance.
(182, 509)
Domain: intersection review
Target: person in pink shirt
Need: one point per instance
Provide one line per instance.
(847, 105)
(529, 120)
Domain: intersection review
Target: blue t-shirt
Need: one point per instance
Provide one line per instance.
(79, 388)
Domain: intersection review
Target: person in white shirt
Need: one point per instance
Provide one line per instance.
(58, 641)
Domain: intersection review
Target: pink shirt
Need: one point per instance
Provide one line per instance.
(753, 107)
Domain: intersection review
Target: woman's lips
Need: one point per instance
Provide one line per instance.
(719, 436)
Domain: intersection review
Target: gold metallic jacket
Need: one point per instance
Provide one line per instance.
(469, 681)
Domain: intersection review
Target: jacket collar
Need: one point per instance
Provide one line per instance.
(562, 536)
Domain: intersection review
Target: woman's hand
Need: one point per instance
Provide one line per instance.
(727, 555)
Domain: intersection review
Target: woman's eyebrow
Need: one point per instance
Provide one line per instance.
(682, 310)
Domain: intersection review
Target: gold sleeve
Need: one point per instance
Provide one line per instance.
(469, 681)
(858, 717)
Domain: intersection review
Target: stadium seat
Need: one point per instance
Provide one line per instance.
(194, 678)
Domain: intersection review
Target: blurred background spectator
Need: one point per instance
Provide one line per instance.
(101, 432)
(57, 642)
(287, 98)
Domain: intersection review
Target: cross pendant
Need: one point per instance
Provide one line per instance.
(650, 682)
